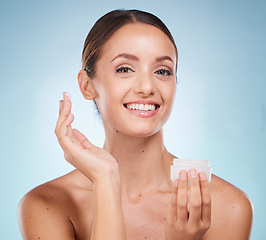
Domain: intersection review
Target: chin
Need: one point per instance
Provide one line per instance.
(142, 132)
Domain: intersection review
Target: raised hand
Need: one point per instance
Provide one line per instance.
(94, 162)
(189, 215)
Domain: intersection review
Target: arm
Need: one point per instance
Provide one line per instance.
(108, 220)
(101, 168)
(40, 217)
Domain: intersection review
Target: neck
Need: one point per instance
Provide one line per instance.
(144, 162)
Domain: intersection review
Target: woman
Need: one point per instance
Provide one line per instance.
(123, 190)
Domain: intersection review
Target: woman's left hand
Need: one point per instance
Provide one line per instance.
(189, 214)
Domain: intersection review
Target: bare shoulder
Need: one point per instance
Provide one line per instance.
(229, 196)
(232, 211)
(49, 210)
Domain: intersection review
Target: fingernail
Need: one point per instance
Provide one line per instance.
(183, 175)
(68, 95)
(192, 173)
(203, 176)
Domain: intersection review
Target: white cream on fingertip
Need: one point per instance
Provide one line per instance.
(69, 95)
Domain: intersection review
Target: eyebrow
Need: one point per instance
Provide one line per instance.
(126, 55)
(163, 58)
(135, 58)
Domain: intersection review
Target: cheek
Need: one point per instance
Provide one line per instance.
(109, 99)
(169, 98)
(172, 96)
(169, 92)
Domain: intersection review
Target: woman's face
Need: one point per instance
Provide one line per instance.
(135, 80)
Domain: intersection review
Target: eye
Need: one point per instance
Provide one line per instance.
(164, 72)
(123, 70)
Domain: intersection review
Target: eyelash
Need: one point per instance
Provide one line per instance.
(166, 72)
(123, 70)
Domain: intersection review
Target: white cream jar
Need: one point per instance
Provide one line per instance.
(186, 164)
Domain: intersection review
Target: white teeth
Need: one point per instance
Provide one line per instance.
(146, 107)
(141, 107)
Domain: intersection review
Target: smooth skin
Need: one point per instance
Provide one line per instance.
(123, 190)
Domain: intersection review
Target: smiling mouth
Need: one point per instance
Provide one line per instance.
(142, 107)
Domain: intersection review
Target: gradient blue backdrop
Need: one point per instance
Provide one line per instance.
(220, 107)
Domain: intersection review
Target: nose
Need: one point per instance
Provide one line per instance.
(145, 84)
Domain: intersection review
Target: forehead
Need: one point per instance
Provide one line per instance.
(139, 38)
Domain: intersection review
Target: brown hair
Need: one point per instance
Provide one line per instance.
(107, 25)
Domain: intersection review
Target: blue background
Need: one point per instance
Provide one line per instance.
(219, 112)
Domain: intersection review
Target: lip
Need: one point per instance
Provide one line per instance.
(143, 113)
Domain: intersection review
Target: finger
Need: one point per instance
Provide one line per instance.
(67, 95)
(65, 108)
(60, 105)
(82, 139)
(172, 209)
(67, 105)
(65, 111)
(194, 196)
(65, 128)
(69, 143)
(65, 136)
(206, 197)
(182, 199)
(68, 123)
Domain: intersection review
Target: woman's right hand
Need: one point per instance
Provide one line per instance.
(94, 162)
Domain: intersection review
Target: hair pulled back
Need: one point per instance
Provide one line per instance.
(107, 25)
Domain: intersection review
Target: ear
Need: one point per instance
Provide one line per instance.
(86, 85)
